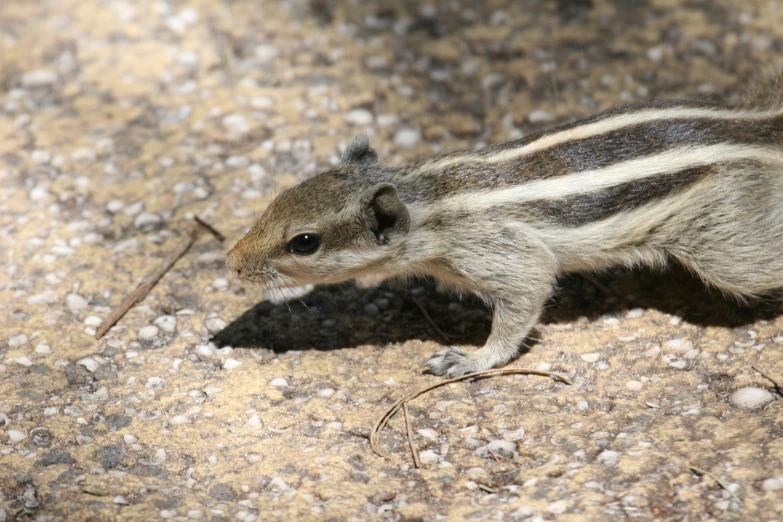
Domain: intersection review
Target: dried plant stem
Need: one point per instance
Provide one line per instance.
(147, 283)
(212, 230)
(714, 477)
(778, 387)
(415, 454)
(384, 420)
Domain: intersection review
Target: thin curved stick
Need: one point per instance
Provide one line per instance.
(375, 433)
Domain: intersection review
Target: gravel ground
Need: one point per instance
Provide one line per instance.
(120, 119)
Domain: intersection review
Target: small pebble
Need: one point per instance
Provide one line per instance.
(635, 313)
(231, 364)
(407, 137)
(119, 499)
(591, 357)
(92, 320)
(89, 363)
(751, 398)
(155, 383)
(149, 333)
(167, 323)
(557, 507)
(772, 484)
(254, 423)
(38, 78)
(633, 385)
(428, 434)
(359, 117)
(428, 457)
(15, 436)
(17, 340)
(371, 309)
(205, 350)
(146, 219)
(279, 381)
(215, 324)
(75, 303)
(220, 284)
(43, 349)
(325, 393)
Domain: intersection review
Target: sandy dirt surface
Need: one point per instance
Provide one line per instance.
(119, 119)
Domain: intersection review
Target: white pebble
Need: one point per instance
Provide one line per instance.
(279, 381)
(215, 324)
(254, 423)
(16, 436)
(220, 283)
(428, 457)
(75, 302)
(591, 357)
(634, 313)
(92, 320)
(359, 117)
(129, 439)
(17, 340)
(114, 206)
(89, 363)
(24, 361)
(540, 116)
(146, 219)
(39, 78)
(149, 333)
(176, 420)
(119, 499)
(514, 436)
(266, 53)
(43, 348)
(205, 350)
(167, 323)
(633, 385)
(262, 102)
(40, 156)
(155, 383)
(407, 137)
(428, 434)
(772, 484)
(325, 393)
(47, 297)
(608, 457)
(134, 209)
(557, 507)
(231, 364)
(751, 398)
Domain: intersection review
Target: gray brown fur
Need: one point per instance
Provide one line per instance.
(641, 184)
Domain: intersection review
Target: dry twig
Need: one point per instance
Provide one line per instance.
(778, 387)
(415, 454)
(384, 420)
(147, 283)
(212, 230)
(720, 482)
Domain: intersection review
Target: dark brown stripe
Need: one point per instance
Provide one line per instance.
(590, 153)
(583, 209)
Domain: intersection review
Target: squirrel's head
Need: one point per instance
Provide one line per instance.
(327, 229)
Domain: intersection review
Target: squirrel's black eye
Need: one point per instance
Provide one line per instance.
(304, 244)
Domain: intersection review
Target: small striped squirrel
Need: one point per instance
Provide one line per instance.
(639, 185)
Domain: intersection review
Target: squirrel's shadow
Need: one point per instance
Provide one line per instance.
(343, 316)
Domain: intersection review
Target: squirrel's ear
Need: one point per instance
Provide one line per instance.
(386, 215)
(359, 152)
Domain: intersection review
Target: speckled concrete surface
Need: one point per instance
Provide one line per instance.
(118, 119)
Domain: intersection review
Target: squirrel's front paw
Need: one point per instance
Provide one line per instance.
(452, 362)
